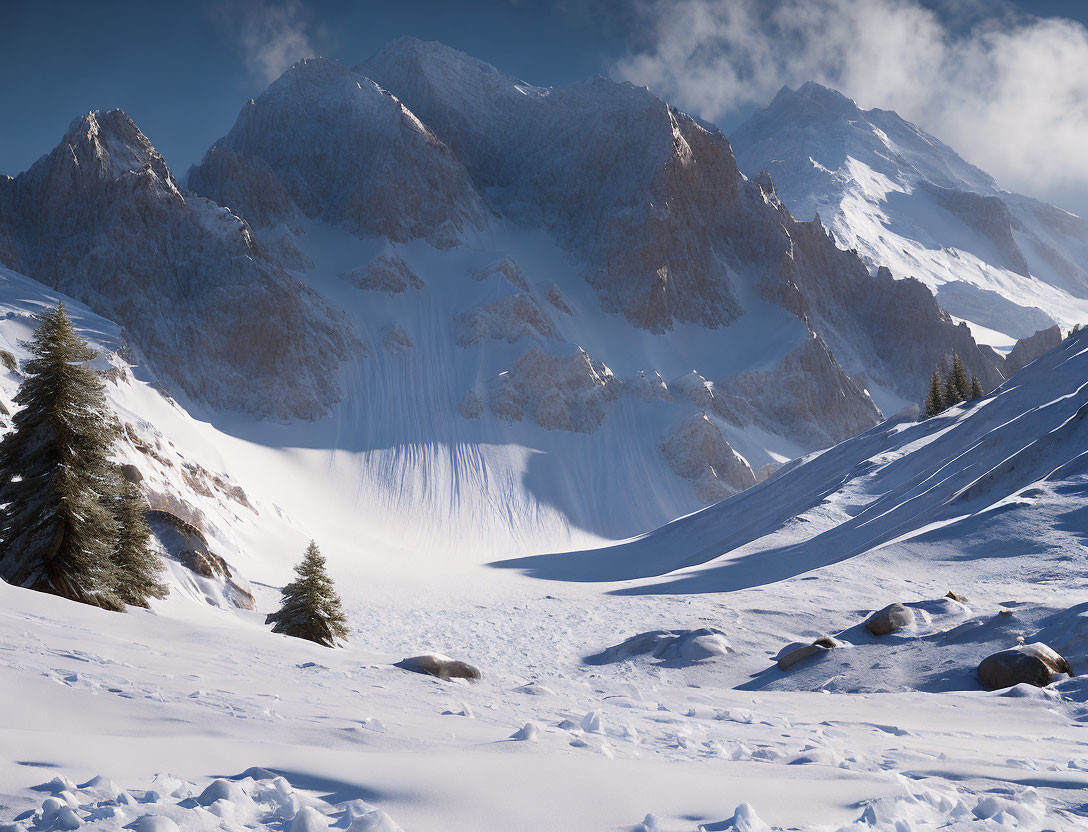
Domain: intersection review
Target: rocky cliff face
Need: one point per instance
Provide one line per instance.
(655, 205)
(324, 141)
(1028, 349)
(102, 219)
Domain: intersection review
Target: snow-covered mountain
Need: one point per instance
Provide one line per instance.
(580, 271)
(1008, 264)
(496, 305)
(102, 219)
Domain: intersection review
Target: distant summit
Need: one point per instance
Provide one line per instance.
(1008, 264)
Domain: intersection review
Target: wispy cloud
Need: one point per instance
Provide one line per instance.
(271, 35)
(1008, 91)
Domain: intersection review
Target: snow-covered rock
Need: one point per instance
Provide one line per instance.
(385, 273)
(684, 646)
(442, 667)
(890, 619)
(1028, 349)
(509, 318)
(558, 392)
(1033, 664)
(699, 452)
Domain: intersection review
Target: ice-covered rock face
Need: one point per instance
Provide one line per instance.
(325, 141)
(102, 219)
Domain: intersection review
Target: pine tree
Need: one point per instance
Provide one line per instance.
(57, 533)
(977, 391)
(137, 567)
(311, 608)
(935, 398)
(958, 388)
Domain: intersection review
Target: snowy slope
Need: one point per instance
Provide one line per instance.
(976, 467)
(160, 704)
(902, 199)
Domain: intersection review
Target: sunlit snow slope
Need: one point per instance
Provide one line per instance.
(1006, 263)
(999, 476)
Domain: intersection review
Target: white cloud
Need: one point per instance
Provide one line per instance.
(1009, 92)
(271, 35)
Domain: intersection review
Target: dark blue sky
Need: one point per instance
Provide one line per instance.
(182, 70)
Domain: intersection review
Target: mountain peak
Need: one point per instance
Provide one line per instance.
(104, 146)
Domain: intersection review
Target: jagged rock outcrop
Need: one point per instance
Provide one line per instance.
(697, 451)
(506, 268)
(650, 386)
(187, 544)
(558, 392)
(807, 396)
(1028, 349)
(385, 273)
(556, 299)
(396, 339)
(654, 203)
(102, 219)
(337, 145)
(508, 319)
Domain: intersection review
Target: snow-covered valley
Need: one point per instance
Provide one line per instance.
(568, 397)
(886, 731)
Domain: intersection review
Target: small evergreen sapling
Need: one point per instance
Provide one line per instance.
(935, 398)
(977, 391)
(310, 608)
(137, 566)
(958, 388)
(57, 532)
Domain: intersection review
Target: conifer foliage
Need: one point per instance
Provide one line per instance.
(138, 566)
(957, 387)
(64, 526)
(310, 608)
(935, 398)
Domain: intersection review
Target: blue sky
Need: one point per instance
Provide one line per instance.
(182, 70)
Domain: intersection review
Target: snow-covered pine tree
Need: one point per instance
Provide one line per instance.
(310, 608)
(935, 397)
(958, 388)
(57, 533)
(977, 391)
(137, 567)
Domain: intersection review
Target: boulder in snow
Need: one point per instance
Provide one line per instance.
(818, 648)
(1033, 664)
(442, 667)
(891, 619)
